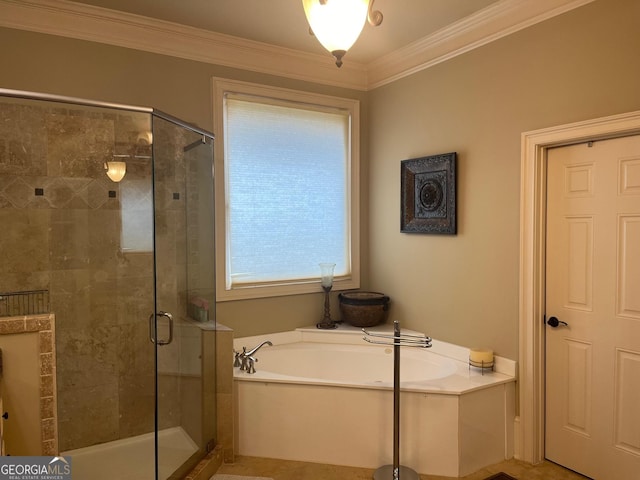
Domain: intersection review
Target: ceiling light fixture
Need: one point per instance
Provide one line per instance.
(337, 24)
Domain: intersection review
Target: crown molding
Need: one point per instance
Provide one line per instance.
(96, 24)
(487, 25)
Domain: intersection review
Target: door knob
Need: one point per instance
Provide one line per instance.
(554, 322)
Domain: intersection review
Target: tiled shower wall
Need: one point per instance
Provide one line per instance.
(61, 231)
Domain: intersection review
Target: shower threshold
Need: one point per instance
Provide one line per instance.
(132, 458)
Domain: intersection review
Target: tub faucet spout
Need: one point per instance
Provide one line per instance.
(255, 349)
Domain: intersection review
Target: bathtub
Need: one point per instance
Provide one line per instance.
(326, 396)
(133, 458)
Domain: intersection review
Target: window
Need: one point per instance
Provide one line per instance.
(286, 190)
(137, 215)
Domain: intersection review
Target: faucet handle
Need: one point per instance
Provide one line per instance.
(243, 359)
(236, 358)
(251, 368)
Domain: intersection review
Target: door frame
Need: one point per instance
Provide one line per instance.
(531, 357)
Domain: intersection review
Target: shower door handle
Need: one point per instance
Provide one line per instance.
(153, 331)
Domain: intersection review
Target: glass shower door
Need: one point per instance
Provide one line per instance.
(183, 327)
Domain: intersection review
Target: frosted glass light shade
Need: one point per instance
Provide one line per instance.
(337, 24)
(115, 170)
(326, 274)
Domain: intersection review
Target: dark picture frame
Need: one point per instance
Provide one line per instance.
(428, 194)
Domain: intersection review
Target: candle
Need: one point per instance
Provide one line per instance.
(481, 356)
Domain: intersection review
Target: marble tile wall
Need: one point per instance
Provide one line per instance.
(63, 233)
(224, 392)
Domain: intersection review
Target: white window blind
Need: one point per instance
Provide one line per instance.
(287, 172)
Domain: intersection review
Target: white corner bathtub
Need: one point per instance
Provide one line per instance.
(326, 396)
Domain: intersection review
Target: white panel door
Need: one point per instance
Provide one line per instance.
(592, 420)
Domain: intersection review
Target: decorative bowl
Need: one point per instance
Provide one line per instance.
(363, 309)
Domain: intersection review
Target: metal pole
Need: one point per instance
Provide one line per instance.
(396, 400)
(397, 471)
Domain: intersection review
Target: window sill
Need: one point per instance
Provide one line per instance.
(281, 290)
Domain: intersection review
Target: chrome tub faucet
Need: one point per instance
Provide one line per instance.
(246, 360)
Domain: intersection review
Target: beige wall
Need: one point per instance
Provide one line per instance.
(464, 289)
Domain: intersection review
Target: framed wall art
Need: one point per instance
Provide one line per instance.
(428, 190)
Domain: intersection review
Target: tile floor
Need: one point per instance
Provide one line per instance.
(290, 470)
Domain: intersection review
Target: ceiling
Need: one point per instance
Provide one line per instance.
(272, 36)
(283, 23)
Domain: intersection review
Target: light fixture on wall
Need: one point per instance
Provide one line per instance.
(337, 24)
(116, 169)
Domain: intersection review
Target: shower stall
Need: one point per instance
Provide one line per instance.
(107, 228)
